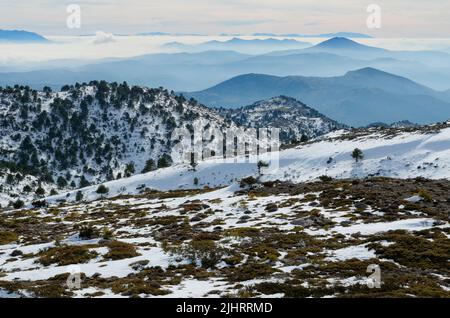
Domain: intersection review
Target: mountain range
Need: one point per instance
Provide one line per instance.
(197, 71)
(255, 46)
(324, 35)
(358, 98)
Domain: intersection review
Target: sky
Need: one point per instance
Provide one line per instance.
(399, 18)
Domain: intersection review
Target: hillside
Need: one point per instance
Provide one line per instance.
(87, 134)
(296, 120)
(388, 152)
(274, 239)
(96, 132)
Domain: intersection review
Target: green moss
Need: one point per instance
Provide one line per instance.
(249, 271)
(243, 232)
(417, 252)
(66, 255)
(120, 250)
(8, 237)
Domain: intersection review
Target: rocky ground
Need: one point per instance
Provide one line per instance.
(275, 239)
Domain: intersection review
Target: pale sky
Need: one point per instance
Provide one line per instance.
(400, 18)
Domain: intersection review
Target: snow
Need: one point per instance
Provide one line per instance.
(119, 268)
(360, 252)
(373, 228)
(192, 288)
(414, 199)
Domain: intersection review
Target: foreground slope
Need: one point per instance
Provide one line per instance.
(388, 152)
(269, 240)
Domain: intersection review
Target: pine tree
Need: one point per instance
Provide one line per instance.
(79, 196)
(61, 182)
(357, 154)
(149, 166)
(102, 189)
(83, 182)
(129, 169)
(261, 164)
(40, 191)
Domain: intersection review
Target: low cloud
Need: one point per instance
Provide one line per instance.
(103, 37)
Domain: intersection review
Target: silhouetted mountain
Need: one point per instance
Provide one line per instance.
(20, 36)
(241, 45)
(326, 35)
(344, 46)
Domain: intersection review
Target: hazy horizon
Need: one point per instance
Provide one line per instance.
(400, 18)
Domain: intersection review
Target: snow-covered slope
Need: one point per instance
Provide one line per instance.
(97, 132)
(88, 134)
(399, 153)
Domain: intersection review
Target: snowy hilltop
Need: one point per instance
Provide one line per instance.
(96, 132)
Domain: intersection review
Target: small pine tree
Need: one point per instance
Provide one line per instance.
(27, 189)
(196, 181)
(149, 166)
(102, 189)
(18, 204)
(129, 170)
(40, 191)
(261, 164)
(83, 182)
(79, 196)
(164, 161)
(61, 182)
(304, 138)
(357, 154)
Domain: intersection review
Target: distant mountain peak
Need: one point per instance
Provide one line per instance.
(342, 43)
(21, 36)
(376, 74)
(370, 71)
(338, 42)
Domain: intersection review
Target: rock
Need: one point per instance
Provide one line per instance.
(317, 221)
(346, 223)
(16, 253)
(271, 207)
(305, 222)
(196, 219)
(361, 206)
